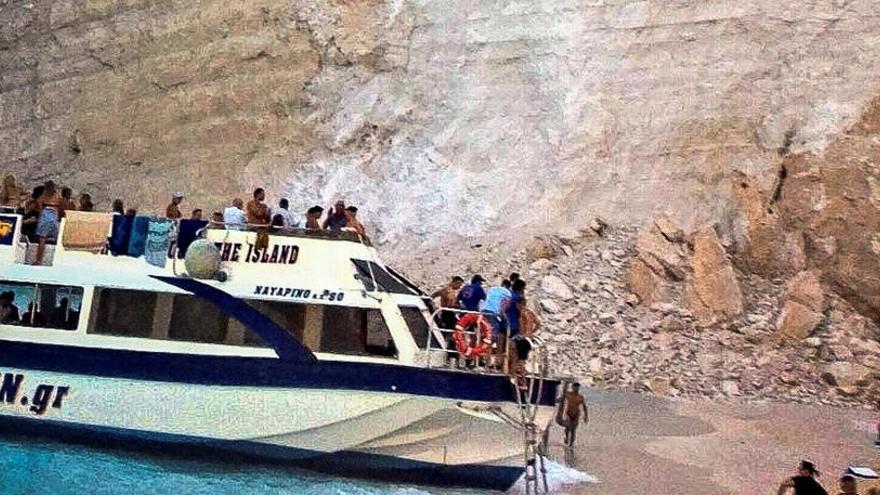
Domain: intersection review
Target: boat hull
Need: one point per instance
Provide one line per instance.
(398, 437)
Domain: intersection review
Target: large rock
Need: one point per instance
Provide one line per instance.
(806, 289)
(712, 292)
(758, 233)
(661, 261)
(544, 248)
(804, 306)
(842, 374)
(797, 321)
(557, 287)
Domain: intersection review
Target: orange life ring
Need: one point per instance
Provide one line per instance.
(484, 331)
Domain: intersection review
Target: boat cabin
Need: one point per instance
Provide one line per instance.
(329, 291)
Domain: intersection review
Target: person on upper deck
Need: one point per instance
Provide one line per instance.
(85, 202)
(11, 194)
(258, 212)
(67, 202)
(313, 218)
(336, 219)
(172, 212)
(352, 222)
(118, 207)
(289, 221)
(234, 217)
(196, 214)
(32, 215)
(47, 225)
(448, 295)
(472, 295)
(216, 220)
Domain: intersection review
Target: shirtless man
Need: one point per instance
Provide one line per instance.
(448, 295)
(258, 213)
(571, 412)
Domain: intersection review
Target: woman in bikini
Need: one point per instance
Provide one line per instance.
(47, 226)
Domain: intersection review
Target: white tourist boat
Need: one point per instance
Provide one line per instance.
(311, 353)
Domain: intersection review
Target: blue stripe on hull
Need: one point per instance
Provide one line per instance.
(262, 372)
(347, 464)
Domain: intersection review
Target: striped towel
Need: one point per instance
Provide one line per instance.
(157, 242)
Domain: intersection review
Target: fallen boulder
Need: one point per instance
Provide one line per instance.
(712, 292)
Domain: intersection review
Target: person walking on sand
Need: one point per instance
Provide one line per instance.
(804, 483)
(571, 412)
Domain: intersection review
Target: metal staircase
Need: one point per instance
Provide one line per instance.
(528, 390)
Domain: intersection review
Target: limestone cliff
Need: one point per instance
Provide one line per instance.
(497, 114)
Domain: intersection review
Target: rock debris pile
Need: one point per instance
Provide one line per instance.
(667, 312)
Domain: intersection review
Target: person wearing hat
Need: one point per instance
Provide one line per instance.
(472, 295)
(173, 210)
(805, 482)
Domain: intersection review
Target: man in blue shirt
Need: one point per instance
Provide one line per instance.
(495, 297)
(472, 294)
(492, 307)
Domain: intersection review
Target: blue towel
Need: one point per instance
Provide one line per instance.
(138, 241)
(120, 235)
(187, 234)
(157, 242)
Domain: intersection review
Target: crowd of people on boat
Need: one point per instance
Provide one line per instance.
(502, 321)
(46, 204)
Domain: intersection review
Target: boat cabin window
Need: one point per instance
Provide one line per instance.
(289, 316)
(127, 313)
(40, 305)
(181, 317)
(354, 331)
(417, 324)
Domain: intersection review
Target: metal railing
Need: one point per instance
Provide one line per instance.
(443, 338)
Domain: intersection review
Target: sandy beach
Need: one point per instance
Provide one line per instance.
(641, 444)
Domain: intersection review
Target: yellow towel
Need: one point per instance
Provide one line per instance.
(86, 230)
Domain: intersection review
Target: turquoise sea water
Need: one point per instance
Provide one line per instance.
(40, 467)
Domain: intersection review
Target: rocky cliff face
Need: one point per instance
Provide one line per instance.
(462, 117)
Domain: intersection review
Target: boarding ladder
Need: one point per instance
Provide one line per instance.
(528, 389)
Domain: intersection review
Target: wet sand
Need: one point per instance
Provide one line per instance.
(640, 444)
